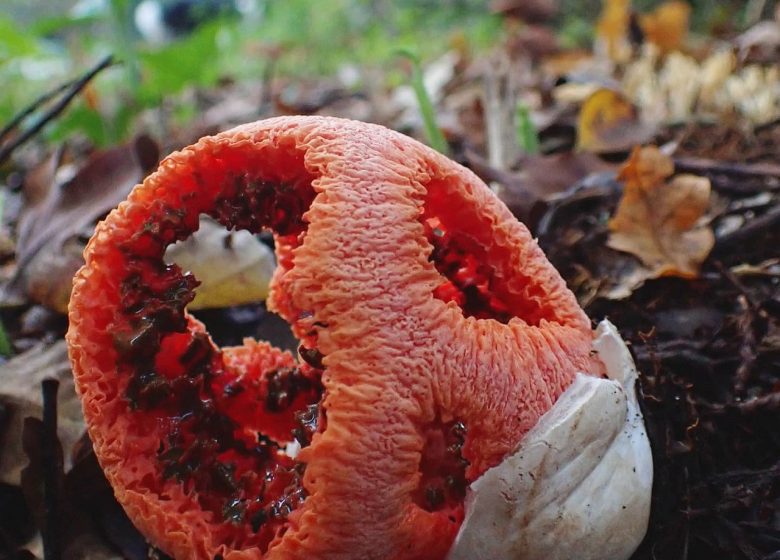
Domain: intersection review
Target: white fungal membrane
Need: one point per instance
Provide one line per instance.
(578, 485)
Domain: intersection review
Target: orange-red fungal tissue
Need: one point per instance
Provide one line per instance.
(434, 336)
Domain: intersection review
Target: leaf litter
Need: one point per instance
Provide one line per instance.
(660, 222)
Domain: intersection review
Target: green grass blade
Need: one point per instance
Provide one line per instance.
(5, 343)
(527, 138)
(432, 131)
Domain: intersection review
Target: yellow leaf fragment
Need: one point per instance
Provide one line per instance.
(667, 25)
(659, 222)
(609, 122)
(612, 30)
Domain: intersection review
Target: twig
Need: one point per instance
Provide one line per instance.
(52, 471)
(703, 165)
(737, 284)
(731, 177)
(31, 108)
(749, 310)
(770, 402)
(72, 89)
(498, 117)
(690, 357)
(763, 224)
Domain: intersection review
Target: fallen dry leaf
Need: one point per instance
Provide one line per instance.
(609, 122)
(233, 268)
(20, 391)
(658, 221)
(48, 277)
(57, 212)
(104, 181)
(667, 25)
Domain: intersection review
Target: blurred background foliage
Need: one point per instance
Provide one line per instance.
(43, 44)
(39, 48)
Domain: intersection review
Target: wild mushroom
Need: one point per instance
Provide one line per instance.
(434, 337)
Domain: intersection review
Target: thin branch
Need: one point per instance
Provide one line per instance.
(769, 402)
(72, 89)
(757, 226)
(52, 549)
(703, 165)
(32, 107)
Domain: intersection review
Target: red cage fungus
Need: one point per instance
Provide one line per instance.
(433, 332)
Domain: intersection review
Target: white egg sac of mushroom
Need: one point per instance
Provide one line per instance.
(579, 484)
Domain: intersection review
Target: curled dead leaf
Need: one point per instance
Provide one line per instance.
(660, 222)
(57, 212)
(20, 391)
(48, 277)
(609, 122)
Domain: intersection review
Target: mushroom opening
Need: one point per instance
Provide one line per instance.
(229, 423)
(477, 271)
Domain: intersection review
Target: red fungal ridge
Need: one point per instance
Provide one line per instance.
(468, 281)
(491, 276)
(270, 401)
(211, 441)
(191, 436)
(222, 433)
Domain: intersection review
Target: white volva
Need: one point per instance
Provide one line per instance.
(578, 485)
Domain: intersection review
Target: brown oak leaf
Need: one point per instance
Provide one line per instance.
(660, 221)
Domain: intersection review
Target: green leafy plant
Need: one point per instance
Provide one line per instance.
(297, 38)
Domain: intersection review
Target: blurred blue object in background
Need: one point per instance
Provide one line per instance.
(159, 21)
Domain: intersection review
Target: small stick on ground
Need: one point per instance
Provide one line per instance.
(69, 91)
(770, 402)
(52, 549)
(755, 227)
(703, 165)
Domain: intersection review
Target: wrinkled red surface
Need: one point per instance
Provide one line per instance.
(433, 307)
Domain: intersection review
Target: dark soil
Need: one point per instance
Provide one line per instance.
(709, 355)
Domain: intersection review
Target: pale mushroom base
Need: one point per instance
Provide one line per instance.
(579, 484)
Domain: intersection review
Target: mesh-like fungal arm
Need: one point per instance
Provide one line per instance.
(434, 335)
